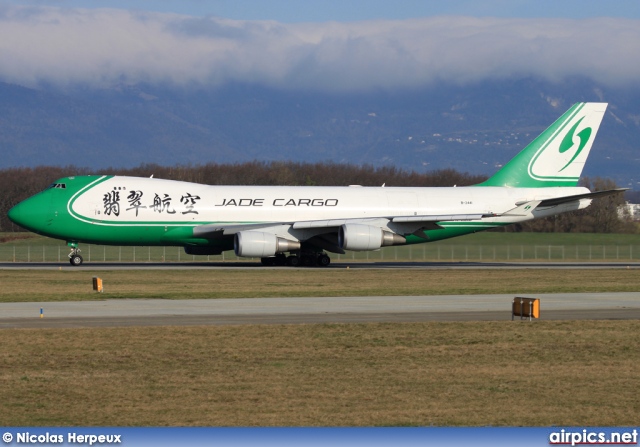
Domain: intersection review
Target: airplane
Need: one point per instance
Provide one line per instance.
(267, 222)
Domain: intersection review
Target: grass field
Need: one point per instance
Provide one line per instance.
(69, 284)
(579, 373)
(469, 374)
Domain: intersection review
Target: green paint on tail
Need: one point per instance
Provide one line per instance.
(548, 154)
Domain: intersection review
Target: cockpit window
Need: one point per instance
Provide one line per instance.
(58, 185)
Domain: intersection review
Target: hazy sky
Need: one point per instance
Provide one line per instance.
(325, 45)
(292, 11)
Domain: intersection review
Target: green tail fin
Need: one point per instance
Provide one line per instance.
(557, 156)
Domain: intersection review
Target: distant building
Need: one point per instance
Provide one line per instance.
(629, 210)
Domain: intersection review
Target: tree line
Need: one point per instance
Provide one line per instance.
(601, 217)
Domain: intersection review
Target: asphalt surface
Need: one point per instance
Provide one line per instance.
(336, 265)
(158, 312)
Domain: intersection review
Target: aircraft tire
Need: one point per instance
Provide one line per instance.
(323, 260)
(293, 261)
(308, 261)
(75, 260)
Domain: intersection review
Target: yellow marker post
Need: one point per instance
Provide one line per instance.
(525, 308)
(97, 284)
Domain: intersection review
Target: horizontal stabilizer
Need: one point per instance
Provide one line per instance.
(589, 195)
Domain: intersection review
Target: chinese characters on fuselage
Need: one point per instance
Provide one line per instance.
(160, 204)
(111, 202)
(135, 200)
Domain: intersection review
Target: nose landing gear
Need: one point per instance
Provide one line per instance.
(74, 257)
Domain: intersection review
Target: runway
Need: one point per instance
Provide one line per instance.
(160, 312)
(98, 266)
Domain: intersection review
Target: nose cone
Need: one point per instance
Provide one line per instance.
(15, 214)
(30, 213)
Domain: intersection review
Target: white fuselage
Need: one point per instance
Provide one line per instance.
(141, 201)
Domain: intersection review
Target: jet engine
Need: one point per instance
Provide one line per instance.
(358, 237)
(255, 244)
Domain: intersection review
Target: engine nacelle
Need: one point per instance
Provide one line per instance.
(255, 244)
(359, 237)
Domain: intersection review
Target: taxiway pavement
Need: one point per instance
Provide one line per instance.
(154, 312)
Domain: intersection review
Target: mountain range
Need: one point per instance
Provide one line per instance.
(471, 128)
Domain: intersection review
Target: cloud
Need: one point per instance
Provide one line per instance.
(98, 47)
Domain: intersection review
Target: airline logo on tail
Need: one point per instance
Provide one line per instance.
(567, 141)
(562, 156)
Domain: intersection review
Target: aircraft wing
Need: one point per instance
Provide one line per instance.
(423, 221)
(415, 223)
(396, 219)
(439, 218)
(212, 231)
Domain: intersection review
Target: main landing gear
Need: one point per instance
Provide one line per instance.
(311, 259)
(74, 257)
